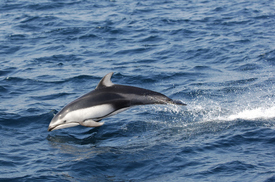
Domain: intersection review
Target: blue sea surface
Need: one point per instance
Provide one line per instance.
(216, 56)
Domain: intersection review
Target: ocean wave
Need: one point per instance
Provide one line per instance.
(216, 57)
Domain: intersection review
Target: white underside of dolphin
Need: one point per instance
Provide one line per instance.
(106, 100)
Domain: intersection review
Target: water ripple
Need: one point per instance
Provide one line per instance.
(218, 57)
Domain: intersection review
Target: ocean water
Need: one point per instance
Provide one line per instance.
(216, 56)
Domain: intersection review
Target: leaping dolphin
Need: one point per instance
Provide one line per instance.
(106, 100)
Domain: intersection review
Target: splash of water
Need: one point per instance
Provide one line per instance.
(214, 111)
(253, 114)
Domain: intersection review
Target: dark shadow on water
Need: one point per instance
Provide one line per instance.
(81, 146)
(73, 139)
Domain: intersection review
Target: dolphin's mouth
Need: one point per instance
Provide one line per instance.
(63, 125)
(50, 129)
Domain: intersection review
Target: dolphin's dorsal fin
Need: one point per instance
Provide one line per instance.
(105, 81)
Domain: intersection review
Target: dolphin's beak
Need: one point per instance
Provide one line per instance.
(50, 128)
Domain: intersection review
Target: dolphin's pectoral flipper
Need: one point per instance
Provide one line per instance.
(90, 123)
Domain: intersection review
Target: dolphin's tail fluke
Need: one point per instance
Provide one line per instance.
(177, 102)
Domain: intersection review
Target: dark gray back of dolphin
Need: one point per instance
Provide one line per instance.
(120, 96)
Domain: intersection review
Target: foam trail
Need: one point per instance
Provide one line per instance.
(252, 114)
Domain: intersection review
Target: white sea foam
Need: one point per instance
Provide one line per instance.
(253, 114)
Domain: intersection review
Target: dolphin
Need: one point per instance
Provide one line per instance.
(106, 100)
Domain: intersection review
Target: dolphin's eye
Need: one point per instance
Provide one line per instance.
(64, 121)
